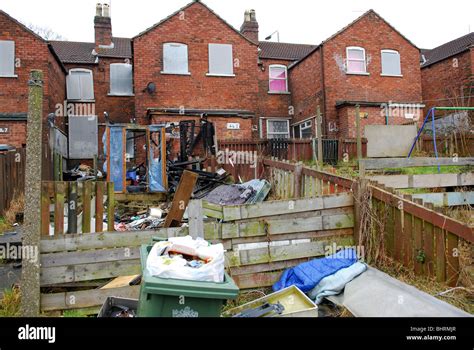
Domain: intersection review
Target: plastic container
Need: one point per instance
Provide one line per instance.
(161, 297)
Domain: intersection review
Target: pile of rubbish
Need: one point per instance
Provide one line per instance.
(187, 258)
(207, 181)
(150, 219)
(82, 172)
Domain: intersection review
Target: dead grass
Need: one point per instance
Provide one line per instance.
(17, 206)
(10, 304)
(246, 297)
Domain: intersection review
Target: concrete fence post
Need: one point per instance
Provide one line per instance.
(30, 279)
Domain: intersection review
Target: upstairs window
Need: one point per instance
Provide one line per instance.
(391, 63)
(356, 62)
(80, 85)
(121, 79)
(7, 58)
(278, 78)
(221, 60)
(175, 58)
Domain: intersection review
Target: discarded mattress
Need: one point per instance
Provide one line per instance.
(376, 294)
(334, 284)
(307, 275)
(247, 193)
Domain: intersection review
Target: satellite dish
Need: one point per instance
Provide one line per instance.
(151, 88)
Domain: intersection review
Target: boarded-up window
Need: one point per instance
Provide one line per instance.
(175, 58)
(121, 79)
(391, 62)
(220, 59)
(80, 85)
(7, 58)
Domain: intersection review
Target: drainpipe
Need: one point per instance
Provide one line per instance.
(324, 92)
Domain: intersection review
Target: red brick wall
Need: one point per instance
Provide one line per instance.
(272, 105)
(306, 87)
(369, 116)
(445, 81)
(31, 53)
(196, 27)
(17, 133)
(373, 34)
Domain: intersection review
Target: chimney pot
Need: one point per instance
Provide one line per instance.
(250, 26)
(98, 10)
(106, 10)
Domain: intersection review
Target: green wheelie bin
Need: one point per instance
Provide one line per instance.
(165, 297)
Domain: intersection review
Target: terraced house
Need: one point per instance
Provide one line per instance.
(193, 65)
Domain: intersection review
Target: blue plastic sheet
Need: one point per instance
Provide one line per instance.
(307, 275)
(116, 157)
(155, 173)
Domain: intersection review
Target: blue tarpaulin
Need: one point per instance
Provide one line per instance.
(307, 275)
(116, 157)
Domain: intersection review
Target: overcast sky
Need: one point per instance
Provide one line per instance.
(426, 23)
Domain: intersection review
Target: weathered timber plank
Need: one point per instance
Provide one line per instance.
(106, 240)
(88, 272)
(384, 163)
(232, 213)
(452, 257)
(425, 181)
(85, 298)
(440, 254)
(447, 199)
(89, 256)
(257, 280)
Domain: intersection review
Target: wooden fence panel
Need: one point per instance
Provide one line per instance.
(12, 173)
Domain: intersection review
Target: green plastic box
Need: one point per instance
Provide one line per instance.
(163, 297)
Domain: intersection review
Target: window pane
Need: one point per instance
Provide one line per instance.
(296, 131)
(278, 72)
(356, 66)
(278, 85)
(278, 126)
(355, 54)
(391, 63)
(121, 80)
(87, 87)
(7, 58)
(220, 59)
(73, 86)
(306, 133)
(175, 58)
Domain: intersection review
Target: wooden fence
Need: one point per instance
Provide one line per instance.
(293, 180)
(454, 143)
(416, 235)
(81, 203)
(12, 175)
(261, 241)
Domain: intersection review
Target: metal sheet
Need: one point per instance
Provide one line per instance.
(83, 137)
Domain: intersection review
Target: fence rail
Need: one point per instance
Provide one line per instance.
(83, 204)
(417, 236)
(12, 174)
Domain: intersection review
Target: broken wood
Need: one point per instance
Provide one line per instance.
(181, 199)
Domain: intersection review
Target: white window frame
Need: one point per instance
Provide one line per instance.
(270, 78)
(357, 59)
(114, 93)
(184, 72)
(73, 70)
(12, 74)
(399, 63)
(304, 126)
(214, 74)
(278, 133)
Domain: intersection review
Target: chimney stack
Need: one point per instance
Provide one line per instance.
(103, 26)
(250, 26)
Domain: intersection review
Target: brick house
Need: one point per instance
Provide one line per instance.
(193, 65)
(100, 75)
(447, 74)
(367, 63)
(21, 51)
